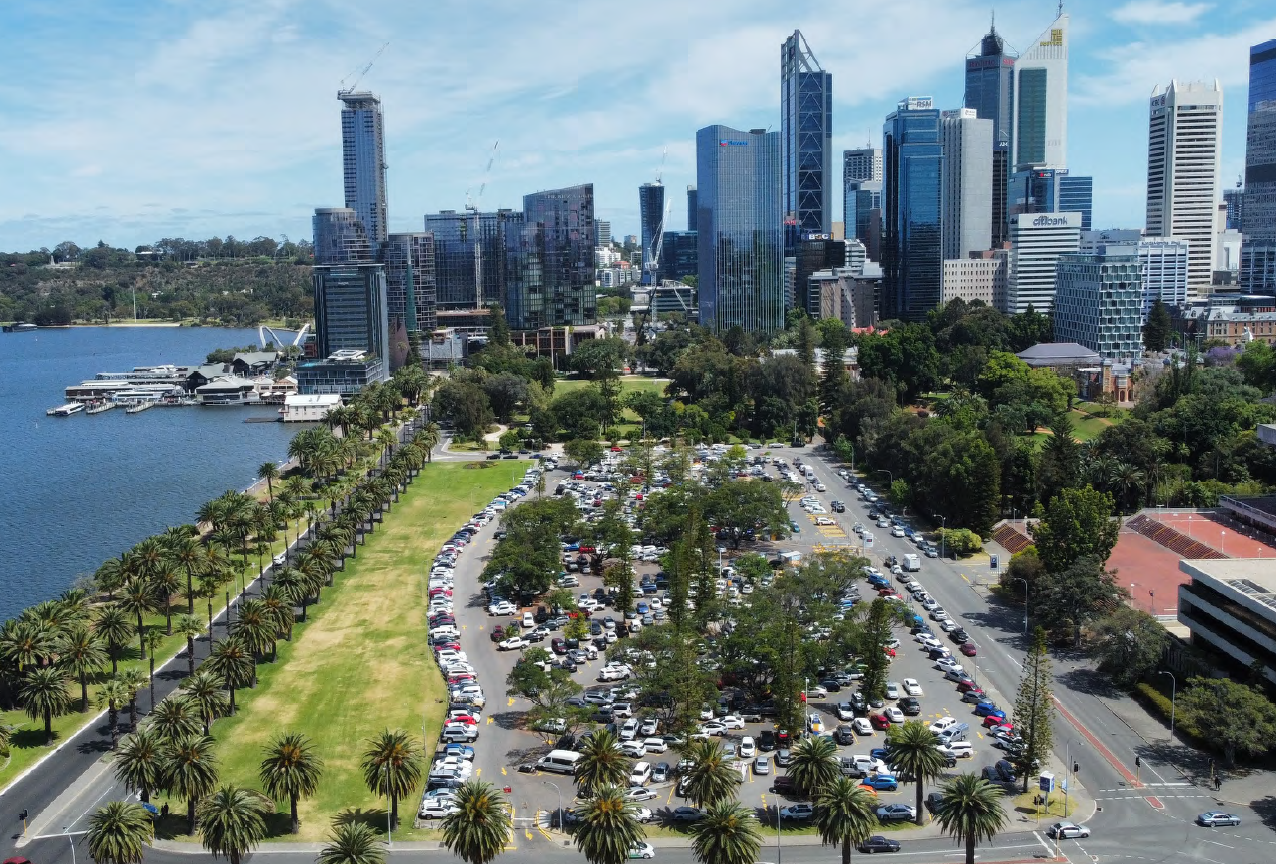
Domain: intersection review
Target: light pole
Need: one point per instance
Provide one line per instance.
(560, 801)
(943, 526)
(777, 832)
(1174, 692)
(1025, 603)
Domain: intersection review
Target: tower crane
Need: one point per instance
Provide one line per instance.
(473, 207)
(358, 75)
(653, 266)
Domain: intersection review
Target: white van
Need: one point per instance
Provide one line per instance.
(912, 563)
(640, 775)
(809, 472)
(559, 761)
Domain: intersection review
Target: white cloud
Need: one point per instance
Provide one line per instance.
(1158, 12)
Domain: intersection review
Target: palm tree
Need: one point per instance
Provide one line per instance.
(192, 628)
(44, 696)
(482, 826)
(913, 752)
(256, 627)
(231, 823)
(190, 771)
(291, 769)
(119, 832)
(185, 552)
(710, 778)
(175, 718)
(139, 763)
(81, 654)
(601, 762)
(204, 692)
(845, 814)
(277, 601)
(116, 630)
(608, 828)
(6, 739)
(134, 680)
(111, 576)
(727, 833)
(137, 598)
(153, 640)
(971, 811)
(269, 472)
(113, 695)
(392, 767)
(26, 642)
(352, 843)
(429, 438)
(209, 587)
(815, 764)
(231, 661)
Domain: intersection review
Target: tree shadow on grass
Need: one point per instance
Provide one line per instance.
(278, 824)
(374, 819)
(31, 738)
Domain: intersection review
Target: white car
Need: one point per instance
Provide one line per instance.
(947, 664)
(911, 687)
(630, 730)
(747, 749)
(643, 814)
(893, 714)
(513, 644)
(824, 520)
(897, 531)
(502, 608)
(642, 850)
(733, 721)
(612, 673)
(655, 745)
(942, 723)
(633, 749)
(648, 727)
(930, 603)
(892, 690)
(862, 727)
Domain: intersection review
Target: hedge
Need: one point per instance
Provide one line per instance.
(1160, 703)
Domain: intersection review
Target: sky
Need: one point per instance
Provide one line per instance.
(130, 121)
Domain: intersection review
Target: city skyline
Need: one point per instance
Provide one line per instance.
(233, 117)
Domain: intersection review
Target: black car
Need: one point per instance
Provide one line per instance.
(859, 702)
(933, 800)
(959, 636)
(766, 741)
(910, 706)
(831, 685)
(878, 843)
(936, 653)
(838, 507)
(844, 734)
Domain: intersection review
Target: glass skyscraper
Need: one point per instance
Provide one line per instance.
(678, 255)
(339, 237)
(551, 282)
(912, 259)
(1040, 134)
(806, 129)
(411, 294)
(691, 208)
(862, 197)
(1258, 209)
(990, 90)
(469, 250)
(741, 241)
(1049, 190)
(651, 206)
(363, 161)
(1076, 195)
(1262, 73)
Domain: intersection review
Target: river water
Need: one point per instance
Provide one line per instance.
(77, 490)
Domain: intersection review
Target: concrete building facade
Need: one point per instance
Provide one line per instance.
(967, 190)
(981, 277)
(1097, 302)
(1036, 242)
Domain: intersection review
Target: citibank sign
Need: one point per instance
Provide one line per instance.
(1049, 221)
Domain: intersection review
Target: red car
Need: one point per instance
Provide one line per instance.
(965, 684)
(968, 648)
(890, 652)
(782, 738)
(879, 721)
(467, 719)
(995, 720)
(463, 678)
(447, 646)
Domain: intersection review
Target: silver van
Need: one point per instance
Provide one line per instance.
(559, 761)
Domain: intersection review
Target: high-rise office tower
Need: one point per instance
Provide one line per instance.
(1076, 195)
(651, 205)
(363, 161)
(677, 256)
(862, 164)
(1097, 303)
(806, 131)
(603, 230)
(1185, 132)
(411, 293)
(470, 251)
(1040, 134)
(340, 237)
(967, 189)
(1036, 242)
(862, 197)
(740, 259)
(1050, 190)
(1234, 198)
(912, 258)
(990, 90)
(550, 280)
(1258, 212)
(691, 208)
(1162, 262)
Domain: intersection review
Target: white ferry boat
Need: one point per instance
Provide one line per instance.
(66, 410)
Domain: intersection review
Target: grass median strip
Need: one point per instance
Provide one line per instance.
(361, 664)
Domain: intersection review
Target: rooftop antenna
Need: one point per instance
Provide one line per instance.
(1060, 14)
(358, 74)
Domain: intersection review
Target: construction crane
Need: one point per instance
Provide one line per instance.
(653, 266)
(358, 75)
(487, 173)
(473, 207)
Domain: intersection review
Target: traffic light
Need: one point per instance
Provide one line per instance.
(1138, 763)
(1076, 767)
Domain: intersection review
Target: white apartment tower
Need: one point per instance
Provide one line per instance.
(1185, 133)
(1041, 101)
(966, 183)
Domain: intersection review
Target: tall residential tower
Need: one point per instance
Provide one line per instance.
(363, 161)
(651, 206)
(806, 130)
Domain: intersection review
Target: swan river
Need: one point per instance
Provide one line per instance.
(77, 490)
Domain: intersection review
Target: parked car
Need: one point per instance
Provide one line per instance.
(878, 843)
(896, 813)
(1066, 830)
(798, 812)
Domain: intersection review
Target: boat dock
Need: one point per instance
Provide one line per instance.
(100, 407)
(138, 407)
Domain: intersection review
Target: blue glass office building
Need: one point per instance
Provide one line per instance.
(1258, 209)
(739, 232)
(678, 255)
(806, 129)
(1262, 73)
(363, 161)
(1051, 190)
(912, 257)
(651, 209)
(990, 90)
(470, 250)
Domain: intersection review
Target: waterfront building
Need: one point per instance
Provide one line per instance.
(344, 373)
(981, 276)
(966, 193)
(339, 237)
(411, 293)
(312, 408)
(550, 269)
(1097, 303)
(651, 206)
(470, 251)
(363, 161)
(349, 298)
(678, 256)
(1040, 134)
(1185, 126)
(740, 258)
(912, 258)
(1036, 242)
(1162, 263)
(1258, 251)
(806, 136)
(603, 229)
(990, 90)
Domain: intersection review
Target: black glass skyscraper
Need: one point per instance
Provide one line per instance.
(691, 208)
(651, 206)
(990, 83)
(554, 286)
(806, 134)
(469, 250)
(741, 244)
(912, 257)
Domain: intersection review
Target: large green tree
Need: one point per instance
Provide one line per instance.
(971, 811)
(727, 833)
(352, 843)
(607, 827)
(845, 815)
(1156, 332)
(44, 696)
(1075, 524)
(601, 762)
(710, 779)
(231, 821)
(1128, 643)
(1034, 706)
(1073, 598)
(815, 764)
(911, 750)
(291, 769)
(1233, 717)
(119, 833)
(392, 764)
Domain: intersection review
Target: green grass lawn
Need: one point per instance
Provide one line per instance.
(627, 383)
(361, 664)
(1084, 427)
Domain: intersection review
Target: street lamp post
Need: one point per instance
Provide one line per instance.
(943, 526)
(1174, 692)
(1025, 603)
(887, 473)
(560, 801)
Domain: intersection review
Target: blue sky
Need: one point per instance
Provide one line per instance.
(130, 121)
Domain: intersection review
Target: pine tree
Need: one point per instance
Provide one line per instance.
(1034, 706)
(1156, 333)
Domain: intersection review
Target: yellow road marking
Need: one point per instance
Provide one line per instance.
(490, 720)
(511, 702)
(478, 771)
(504, 773)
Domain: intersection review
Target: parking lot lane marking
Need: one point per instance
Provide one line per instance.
(1216, 843)
(478, 771)
(504, 773)
(490, 720)
(1044, 844)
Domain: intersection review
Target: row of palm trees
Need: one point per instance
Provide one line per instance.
(728, 832)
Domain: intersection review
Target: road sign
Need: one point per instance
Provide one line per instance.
(1046, 781)
(992, 562)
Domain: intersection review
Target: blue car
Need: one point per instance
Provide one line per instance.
(460, 751)
(650, 588)
(983, 709)
(642, 608)
(881, 782)
(878, 753)
(793, 526)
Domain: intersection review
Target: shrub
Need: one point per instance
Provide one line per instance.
(1159, 703)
